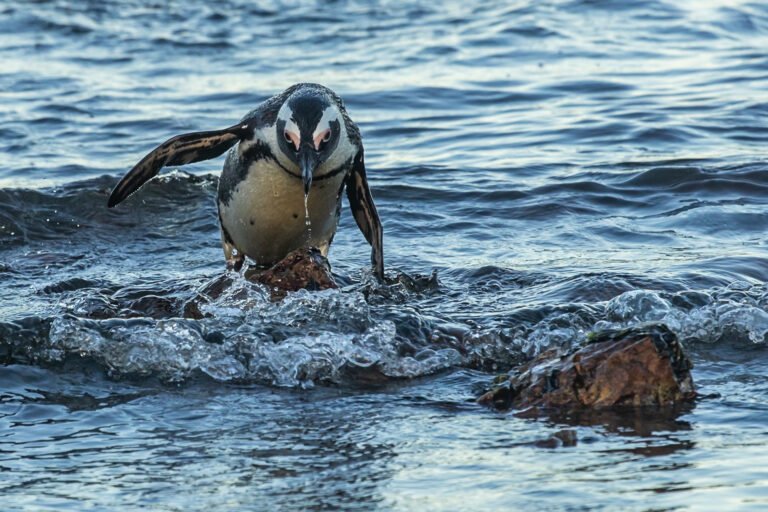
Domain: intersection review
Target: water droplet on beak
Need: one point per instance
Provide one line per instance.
(307, 221)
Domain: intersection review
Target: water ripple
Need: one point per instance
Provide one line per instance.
(542, 170)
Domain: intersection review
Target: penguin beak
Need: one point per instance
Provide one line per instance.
(308, 161)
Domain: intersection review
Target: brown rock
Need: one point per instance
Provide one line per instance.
(303, 268)
(644, 366)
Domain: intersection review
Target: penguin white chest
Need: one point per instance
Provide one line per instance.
(266, 216)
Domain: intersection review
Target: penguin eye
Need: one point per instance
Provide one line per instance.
(321, 139)
(292, 139)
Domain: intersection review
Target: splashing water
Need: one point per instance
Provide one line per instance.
(309, 338)
(603, 199)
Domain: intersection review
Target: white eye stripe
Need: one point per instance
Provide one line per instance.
(329, 114)
(291, 126)
(285, 113)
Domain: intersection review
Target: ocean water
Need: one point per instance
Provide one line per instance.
(542, 170)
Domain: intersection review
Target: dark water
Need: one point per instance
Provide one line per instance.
(562, 166)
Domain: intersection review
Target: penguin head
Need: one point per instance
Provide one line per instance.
(309, 127)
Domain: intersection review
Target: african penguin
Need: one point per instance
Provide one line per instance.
(290, 157)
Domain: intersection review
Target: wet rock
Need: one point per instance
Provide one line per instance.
(303, 268)
(559, 439)
(643, 366)
(153, 306)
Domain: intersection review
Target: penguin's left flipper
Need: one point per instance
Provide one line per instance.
(365, 214)
(182, 149)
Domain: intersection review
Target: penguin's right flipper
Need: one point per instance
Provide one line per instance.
(182, 149)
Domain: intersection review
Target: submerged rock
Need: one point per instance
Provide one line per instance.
(644, 366)
(303, 268)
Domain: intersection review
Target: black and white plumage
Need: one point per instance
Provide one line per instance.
(297, 145)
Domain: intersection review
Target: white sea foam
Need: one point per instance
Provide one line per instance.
(306, 339)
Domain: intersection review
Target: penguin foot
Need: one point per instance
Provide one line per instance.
(235, 262)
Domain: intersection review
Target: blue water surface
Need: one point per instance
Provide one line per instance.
(542, 169)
